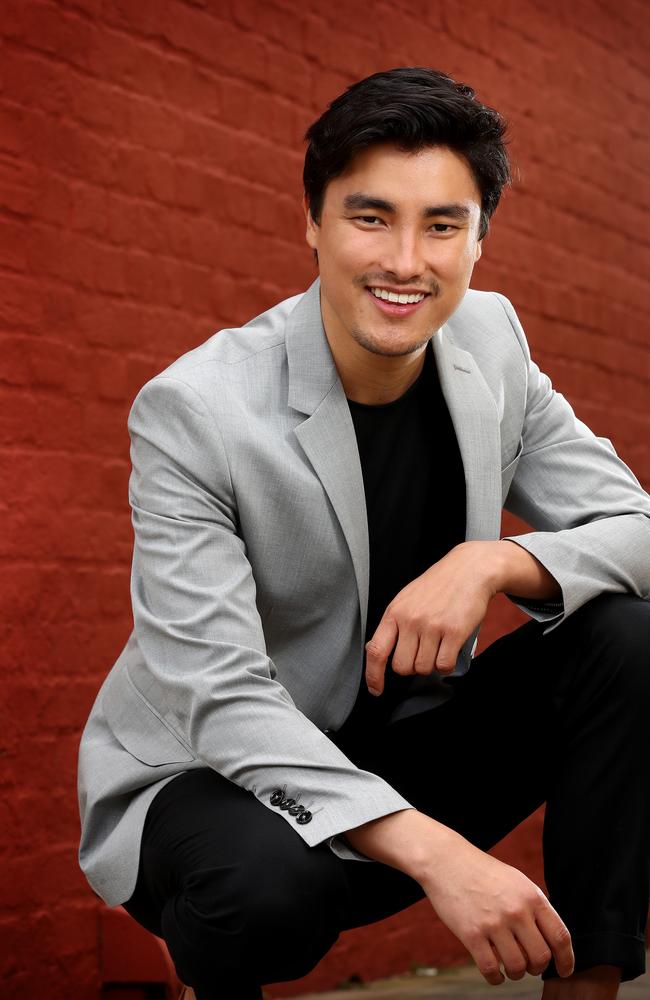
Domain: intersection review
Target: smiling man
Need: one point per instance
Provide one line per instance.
(297, 738)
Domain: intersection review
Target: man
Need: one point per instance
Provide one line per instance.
(330, 477)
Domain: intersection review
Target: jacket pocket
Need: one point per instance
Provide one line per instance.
(137, 726)
(508, 472)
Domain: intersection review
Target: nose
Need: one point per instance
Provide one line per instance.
(403, 255)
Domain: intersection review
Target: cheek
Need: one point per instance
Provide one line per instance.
(351, 251)
(459, 264)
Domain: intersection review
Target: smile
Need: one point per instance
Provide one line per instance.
(403, 298)
(396, 303)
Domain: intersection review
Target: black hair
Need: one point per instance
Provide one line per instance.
(413, 108)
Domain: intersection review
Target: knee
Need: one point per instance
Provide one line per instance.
(272, 920)
(617, 626)
(295, 912)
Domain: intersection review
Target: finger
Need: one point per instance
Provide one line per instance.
(378, 649)
(557, 936)
(425, 658)
(448, 651)
(534, 946)
(513, 959)
(405, 651)
(487, 961)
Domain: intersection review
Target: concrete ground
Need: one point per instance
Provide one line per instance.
(457, 984)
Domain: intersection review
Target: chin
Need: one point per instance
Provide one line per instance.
(390, 348)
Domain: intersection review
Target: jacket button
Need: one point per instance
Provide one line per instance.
(296, 810)
(277, 797)
(305, 817)
(287, 803)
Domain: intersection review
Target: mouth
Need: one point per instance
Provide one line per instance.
(393, 302)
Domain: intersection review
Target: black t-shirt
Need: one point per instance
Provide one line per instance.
(415, 498)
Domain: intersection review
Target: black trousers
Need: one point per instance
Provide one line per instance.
(563, 719)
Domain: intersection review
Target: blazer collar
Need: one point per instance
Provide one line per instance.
(312, 372)
(473, 412)
(327, 434)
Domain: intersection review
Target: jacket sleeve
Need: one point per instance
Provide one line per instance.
(200, 634)
(591, 515)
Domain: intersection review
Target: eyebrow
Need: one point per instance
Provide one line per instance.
(359, 201)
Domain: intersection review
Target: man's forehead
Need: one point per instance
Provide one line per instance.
(431, 176)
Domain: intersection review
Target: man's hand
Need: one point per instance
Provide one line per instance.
(430, 619)
(503, 919)
(499, 915)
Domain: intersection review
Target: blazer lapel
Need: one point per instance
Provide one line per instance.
(327, 434)
(328, 440)
(474, 415)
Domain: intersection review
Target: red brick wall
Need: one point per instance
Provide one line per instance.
(150, 156)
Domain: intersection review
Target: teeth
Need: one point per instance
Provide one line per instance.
(402, 298)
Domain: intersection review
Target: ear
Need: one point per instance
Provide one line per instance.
(311, 234)
(479, 251)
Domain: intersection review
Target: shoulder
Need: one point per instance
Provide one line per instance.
(252, 354)
(488, 311)
(486, 323)
(237, 345)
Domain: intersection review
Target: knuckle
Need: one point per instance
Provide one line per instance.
(422, 666)
(473, 939)
(561, 936)
(373, 649)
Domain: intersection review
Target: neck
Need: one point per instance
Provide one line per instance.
(374, 384)
(372, 378)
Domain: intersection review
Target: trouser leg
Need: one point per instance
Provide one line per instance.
(562, 718)
(238, 897)
(597, 826)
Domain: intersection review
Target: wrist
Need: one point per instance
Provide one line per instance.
(407, 840)
(492, 563)
(519, 572)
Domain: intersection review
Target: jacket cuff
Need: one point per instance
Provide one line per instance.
(551, 611)
(340, 846)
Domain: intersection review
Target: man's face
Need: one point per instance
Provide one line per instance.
(395, 223)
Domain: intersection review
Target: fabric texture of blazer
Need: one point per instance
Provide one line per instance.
(250, 565)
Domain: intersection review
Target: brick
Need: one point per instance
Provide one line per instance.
(285, 27)
(14, 239)
(18, 186)
(216, 42)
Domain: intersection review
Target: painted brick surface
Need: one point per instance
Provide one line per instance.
(150, 159)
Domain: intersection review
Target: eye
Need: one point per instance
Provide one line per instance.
(442, 227)
(369, 220)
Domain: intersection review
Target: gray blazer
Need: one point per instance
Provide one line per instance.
(250, 566)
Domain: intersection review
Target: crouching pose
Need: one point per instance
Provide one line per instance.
(298, 738)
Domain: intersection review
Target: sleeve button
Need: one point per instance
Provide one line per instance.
(277, 797)
(305, 817)
(287, 803)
